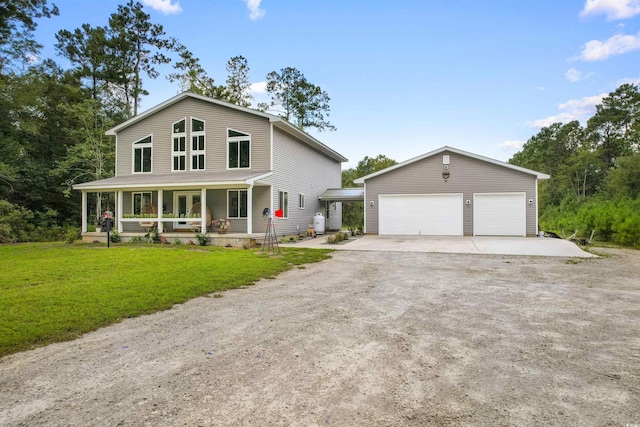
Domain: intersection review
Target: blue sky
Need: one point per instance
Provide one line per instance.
(407, 77)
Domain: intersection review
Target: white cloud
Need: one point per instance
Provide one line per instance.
(258, 87)
(574, 75)
(614, 9)
(164, 6)
(255, 12)
(596, 50)
(575, 109)
(511, 146)
(629, 80)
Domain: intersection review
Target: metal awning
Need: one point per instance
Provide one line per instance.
(343, 195)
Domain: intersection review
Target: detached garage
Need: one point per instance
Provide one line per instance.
(450, 192)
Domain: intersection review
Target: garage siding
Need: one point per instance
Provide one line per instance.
(467, 176)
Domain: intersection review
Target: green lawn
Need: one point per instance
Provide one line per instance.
(55, 292)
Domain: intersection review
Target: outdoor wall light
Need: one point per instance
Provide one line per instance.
(530, 201)
(371, 202)
(468, 202)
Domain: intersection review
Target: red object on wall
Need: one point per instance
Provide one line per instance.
(279, 213)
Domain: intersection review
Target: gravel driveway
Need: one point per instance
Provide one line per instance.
(366, 338)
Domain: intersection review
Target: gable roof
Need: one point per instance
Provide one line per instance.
(538, 175)
(278, 122)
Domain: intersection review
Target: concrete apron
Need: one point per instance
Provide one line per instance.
(527, 246)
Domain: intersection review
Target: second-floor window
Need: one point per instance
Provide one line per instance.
(239, 149)
(142, 152)
(197, 144)
(179, 148)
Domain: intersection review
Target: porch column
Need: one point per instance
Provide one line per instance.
(84, 212)
(160, 203)
(250, 209)
(203, 210)
(119, 209)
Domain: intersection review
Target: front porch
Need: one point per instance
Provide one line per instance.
(176, 207)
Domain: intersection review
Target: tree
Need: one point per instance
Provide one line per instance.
(137, 46)
(353, 212)
(192, 77)
(624, 180)
(85, 48)
(301, 102)
(238, 81)
(17, 23)
(616, 124)
(92, 157)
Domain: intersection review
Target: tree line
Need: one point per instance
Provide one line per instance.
(595, 171)
(53, 120)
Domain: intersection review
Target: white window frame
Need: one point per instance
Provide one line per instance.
(283, 199)
(300, 200)
(137, 146)
(133, 200)
(197, 152)
(179, 153)
(238, 139)
(239, 216)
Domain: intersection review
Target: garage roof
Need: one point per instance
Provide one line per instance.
(343, 194)
(538, 175)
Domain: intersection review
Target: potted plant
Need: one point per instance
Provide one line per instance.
(222, 225)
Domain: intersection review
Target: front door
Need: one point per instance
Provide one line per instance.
(183, 201)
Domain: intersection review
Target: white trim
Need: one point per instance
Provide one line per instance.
(133, 200)
(160, 203)
(250, 209)
(539, 175)
(178, 153)
(238, 139)
(189, 203)
(84, 211)
(281, 207)
(364, 228)
(238, 190)
(120, 209)
(198, 152)
(133, 154)
(536, 207)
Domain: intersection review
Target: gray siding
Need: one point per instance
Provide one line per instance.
(297, 168)
(467, 176)
(217, 119)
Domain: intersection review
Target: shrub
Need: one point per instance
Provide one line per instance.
(71, 234)
(115, 237)
(203, 239)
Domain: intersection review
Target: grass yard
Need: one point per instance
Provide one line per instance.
(56, 292)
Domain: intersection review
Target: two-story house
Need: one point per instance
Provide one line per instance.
(224, 161)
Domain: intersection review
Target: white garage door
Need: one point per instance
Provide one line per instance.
(420, 214)
(499, 214)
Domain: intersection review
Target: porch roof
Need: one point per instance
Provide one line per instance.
(175, 181)
(343, 194)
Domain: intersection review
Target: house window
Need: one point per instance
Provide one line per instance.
(237, 203)
(179, 149)
(283, 203)
(139, 200)
(300, 201)
(197, 144)
(239, 147)
(142, 155)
